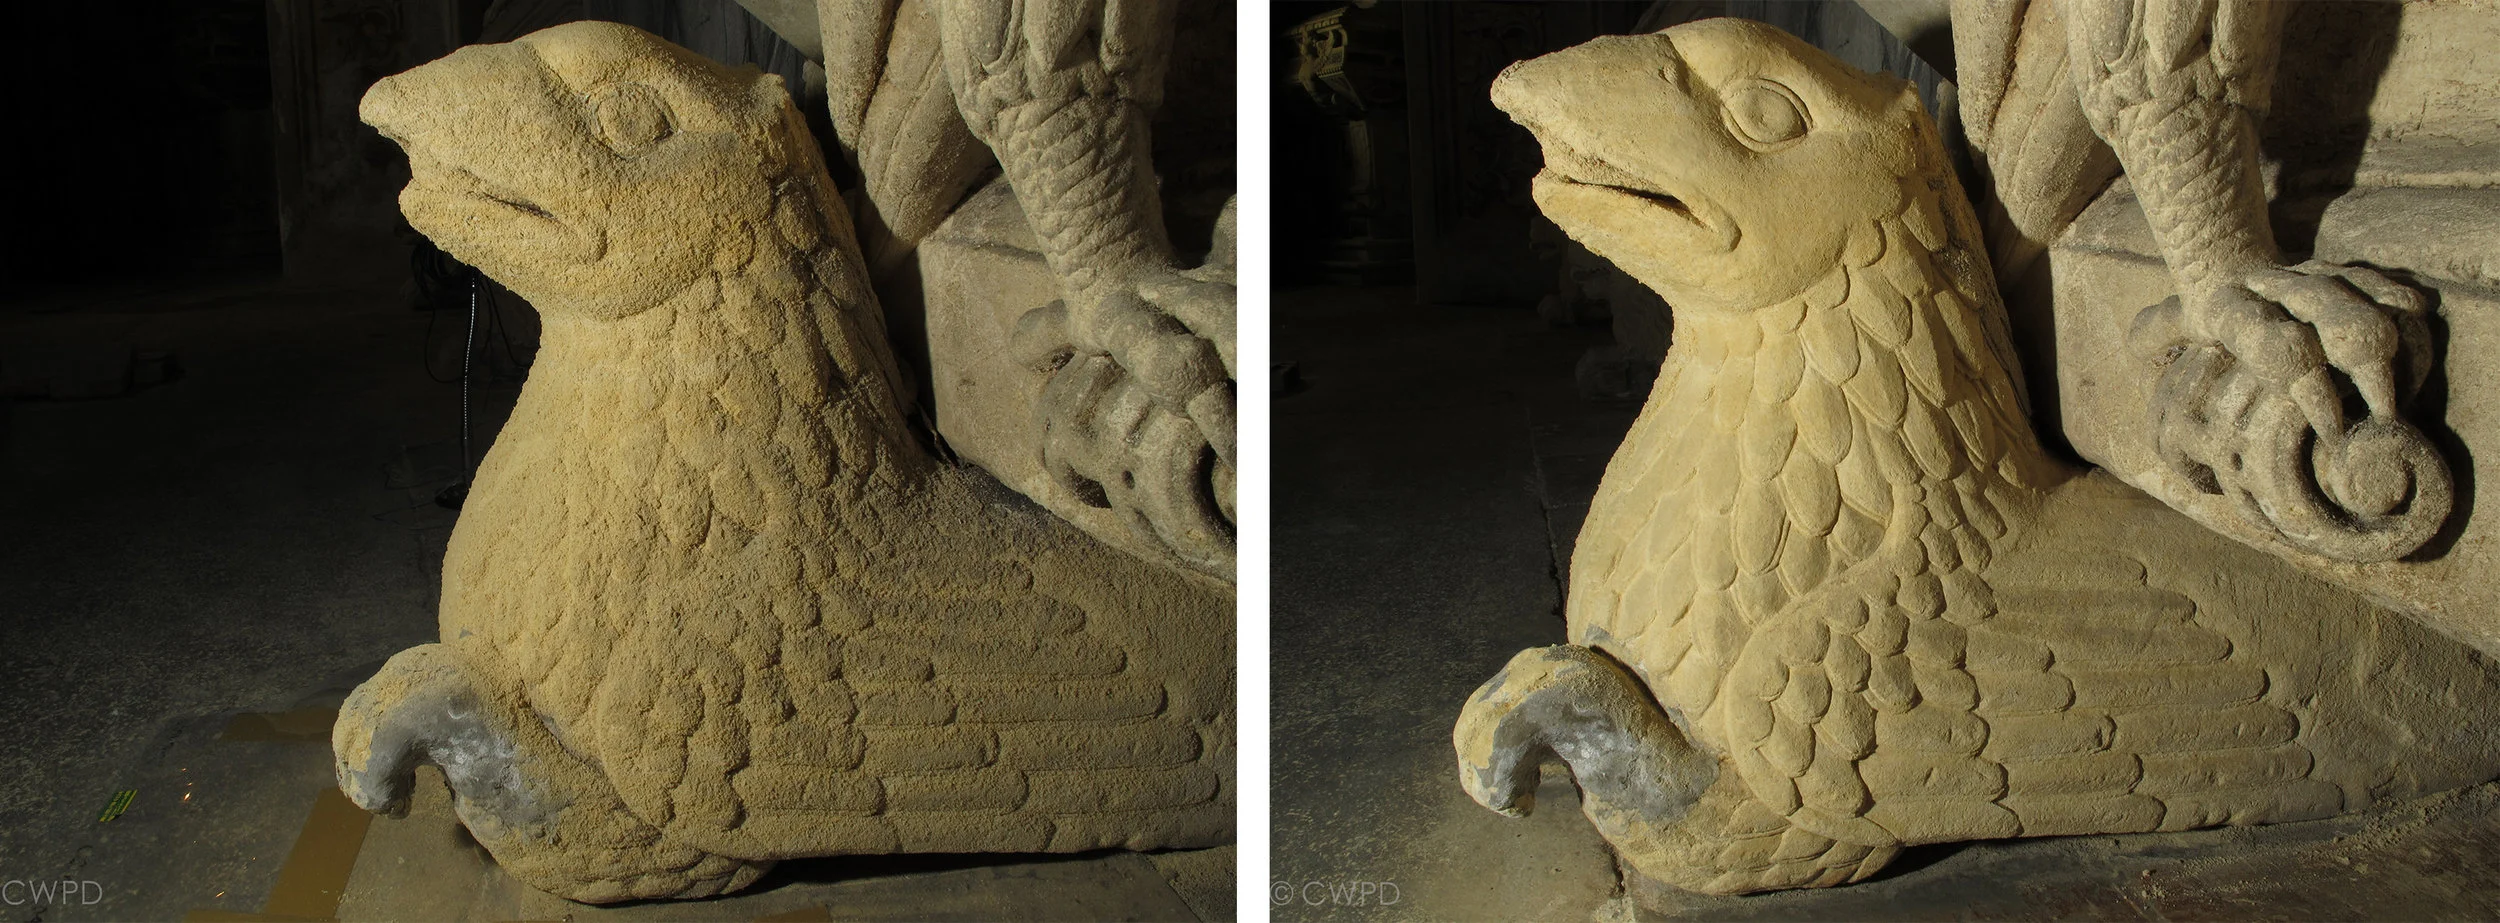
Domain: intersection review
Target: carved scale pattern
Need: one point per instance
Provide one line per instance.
(779, 630)
(1834, 614)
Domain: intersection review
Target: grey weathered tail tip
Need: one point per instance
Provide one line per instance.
(419, 700)
(1577, 704)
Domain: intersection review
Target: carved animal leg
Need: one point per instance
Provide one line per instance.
(1110, 444)
(2274, 438)
(2176, 88)
(1664, 805)
(548, 817)
(1067, 110)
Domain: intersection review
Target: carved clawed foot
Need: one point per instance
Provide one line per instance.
(2282, 389)
(1137, 414)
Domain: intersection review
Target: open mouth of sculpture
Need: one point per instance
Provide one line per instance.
(1591, 175)
(470, 185)
(518, 204)
(1658, 199)
(1610, 188)
(475, 195)
(454, 205)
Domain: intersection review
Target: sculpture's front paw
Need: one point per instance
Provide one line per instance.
(2264, 371)
(1137, 414)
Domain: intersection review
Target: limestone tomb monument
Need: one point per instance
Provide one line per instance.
(1833, 597)
(711, 604)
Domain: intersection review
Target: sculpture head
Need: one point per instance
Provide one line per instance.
(1723, 163)
(591, 167)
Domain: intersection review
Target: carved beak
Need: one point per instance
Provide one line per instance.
(454, 139)
(1616, 120)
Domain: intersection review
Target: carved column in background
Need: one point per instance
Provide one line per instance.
(1350, 61)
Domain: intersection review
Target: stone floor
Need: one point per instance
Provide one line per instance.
(1414, 551)
(1431, 470)
(192, 573)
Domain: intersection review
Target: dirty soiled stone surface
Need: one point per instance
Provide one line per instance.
(1876, 613)
(710, 604)
(1111, 403)
(2284, 398)
(981, 271)
(2373, 159)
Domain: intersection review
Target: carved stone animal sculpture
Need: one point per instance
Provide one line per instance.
(2255, 352)
(709, 605)
(1832, 599)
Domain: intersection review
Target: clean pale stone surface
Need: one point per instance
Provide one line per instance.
(1876, 612)
(710, 604)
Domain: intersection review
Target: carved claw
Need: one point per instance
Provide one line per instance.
(1111, 445)
(2249, 406)
(1153, 327)
(1137, 414)
(2346, 319)
(1577, 704)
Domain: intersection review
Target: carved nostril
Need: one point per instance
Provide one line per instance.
(1674, 71)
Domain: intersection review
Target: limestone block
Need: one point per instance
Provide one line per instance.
(1832, 597)
(710, 604)
(983, 273)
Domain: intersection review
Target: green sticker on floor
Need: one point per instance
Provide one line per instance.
(121, 802)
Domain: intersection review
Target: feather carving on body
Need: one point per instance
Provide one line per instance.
(1832, 598)
(710, 604)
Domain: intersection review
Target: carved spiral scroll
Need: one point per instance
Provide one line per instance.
(2375, 491)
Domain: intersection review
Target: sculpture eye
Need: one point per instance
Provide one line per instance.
(1765, 113)
(628, 117)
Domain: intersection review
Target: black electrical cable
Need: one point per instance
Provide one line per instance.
(453, 496)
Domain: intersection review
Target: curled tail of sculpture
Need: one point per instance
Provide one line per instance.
(513, 786)
(1664, 804)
